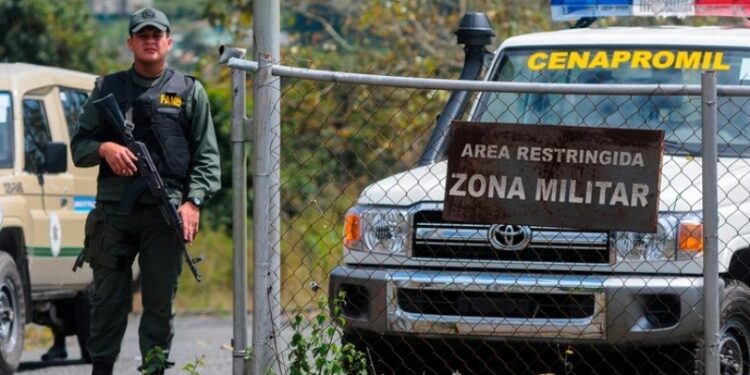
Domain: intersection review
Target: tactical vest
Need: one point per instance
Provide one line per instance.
(160, 118)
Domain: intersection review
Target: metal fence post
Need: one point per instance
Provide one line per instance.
(266, 202)
(710, 221)
(239, 220)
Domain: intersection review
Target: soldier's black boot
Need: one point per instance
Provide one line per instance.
(102, 368)
(55, 353)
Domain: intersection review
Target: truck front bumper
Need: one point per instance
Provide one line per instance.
(615, 309)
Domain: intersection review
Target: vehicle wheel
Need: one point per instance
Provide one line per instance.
(82, 310)
(734, 345)
(12, 315)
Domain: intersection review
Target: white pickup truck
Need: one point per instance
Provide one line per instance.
(492, 295)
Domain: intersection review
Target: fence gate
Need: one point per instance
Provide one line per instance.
(367, 256)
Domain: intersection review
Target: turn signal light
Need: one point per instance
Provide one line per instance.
(352, 233)
(691, 237)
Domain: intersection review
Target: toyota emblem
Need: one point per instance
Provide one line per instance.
(509, 237)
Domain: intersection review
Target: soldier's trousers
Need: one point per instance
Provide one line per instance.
(143, 233)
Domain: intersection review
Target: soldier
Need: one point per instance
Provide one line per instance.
(172, 117)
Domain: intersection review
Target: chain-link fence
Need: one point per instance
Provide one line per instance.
(362, 218)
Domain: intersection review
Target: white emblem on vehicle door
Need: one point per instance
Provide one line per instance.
(55, 234)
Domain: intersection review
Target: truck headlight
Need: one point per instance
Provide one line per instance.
(678, 236)
(379, 229)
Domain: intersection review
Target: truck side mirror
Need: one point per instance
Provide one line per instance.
(55, 157)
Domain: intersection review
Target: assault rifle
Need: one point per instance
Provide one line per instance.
(148, 173)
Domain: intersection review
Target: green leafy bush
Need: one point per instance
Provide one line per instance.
(155, 360)
(318, 351)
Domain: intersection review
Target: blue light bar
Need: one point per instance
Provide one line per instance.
(575, 9)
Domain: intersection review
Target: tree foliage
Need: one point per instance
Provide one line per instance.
(404, 37)
(59, 33)
(233, 15)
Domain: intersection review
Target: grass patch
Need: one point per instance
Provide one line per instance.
(214, 294)
(37, 337)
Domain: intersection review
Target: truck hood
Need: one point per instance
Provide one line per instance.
(681, 186)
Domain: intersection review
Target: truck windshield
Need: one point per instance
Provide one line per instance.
(6, 130)
(678, 116)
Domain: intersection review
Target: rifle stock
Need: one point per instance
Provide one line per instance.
(147, 170)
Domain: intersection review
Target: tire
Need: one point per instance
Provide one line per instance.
(12, 315)
(82, 310)
(734, 344)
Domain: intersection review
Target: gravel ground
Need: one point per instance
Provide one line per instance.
(195, 336)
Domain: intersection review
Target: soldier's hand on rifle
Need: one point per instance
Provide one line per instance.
(190, 214)
(120, 159)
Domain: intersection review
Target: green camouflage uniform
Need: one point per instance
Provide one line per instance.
(142, 232)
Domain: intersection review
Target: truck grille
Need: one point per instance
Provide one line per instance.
(496, 305)
(436, 238)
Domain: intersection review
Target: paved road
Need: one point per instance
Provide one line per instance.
(194, 336)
